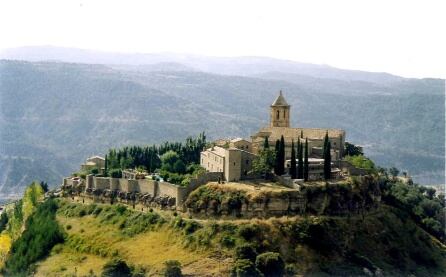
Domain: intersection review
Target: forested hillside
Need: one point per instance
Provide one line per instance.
(54, 114)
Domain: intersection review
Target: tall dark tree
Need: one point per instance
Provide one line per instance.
(282, 155)
(105, 166)
(277, 160)
(306, 165)
(327, 157)
(293, 171)
(300, 162)
(301, 133)
(266, 143)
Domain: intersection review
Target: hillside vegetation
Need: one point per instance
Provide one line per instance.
(55, 114)
(398, 237)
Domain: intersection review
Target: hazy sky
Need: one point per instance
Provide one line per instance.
(401, 37)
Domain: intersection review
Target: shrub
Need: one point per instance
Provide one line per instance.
(270, 264)
(172, 268)
(68, 227)
(191, 226)
(245, 251)
(244, 268)
(248, 232)
(116, 173)
(116, 268)
(227, 241)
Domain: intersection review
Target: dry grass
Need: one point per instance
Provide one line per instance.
(70, 263)
(148, 250)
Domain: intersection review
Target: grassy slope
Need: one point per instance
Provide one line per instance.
(147, 250)
(396, 246)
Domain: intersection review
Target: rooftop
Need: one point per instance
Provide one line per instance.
(280, 100)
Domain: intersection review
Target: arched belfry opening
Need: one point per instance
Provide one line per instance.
(280, 107)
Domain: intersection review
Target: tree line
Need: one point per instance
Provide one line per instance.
(149, 157)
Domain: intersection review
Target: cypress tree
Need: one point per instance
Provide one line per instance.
(301, 133)
(282, 156)
(300, 166)
(277, 151)
(327, 157)
(105, 166)
(306, 165)
(293, 161)
(266, 143)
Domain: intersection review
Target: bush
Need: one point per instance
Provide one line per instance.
(172, 268)
(244, 268)
(227, 241)
(270, 264)
(245, 251)
(68, 227)
(191, 226)
(115, 173)
(248, 232)
(116, 268)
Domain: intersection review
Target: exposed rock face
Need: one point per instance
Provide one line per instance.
(333, 199)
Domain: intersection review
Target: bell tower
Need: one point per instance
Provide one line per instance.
(280, 112)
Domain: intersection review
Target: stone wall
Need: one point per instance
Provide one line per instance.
(151, 187)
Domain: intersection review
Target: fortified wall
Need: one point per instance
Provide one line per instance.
(144, 189)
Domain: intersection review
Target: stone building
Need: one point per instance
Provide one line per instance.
(234, 163)
(93, 162)
(280, 126)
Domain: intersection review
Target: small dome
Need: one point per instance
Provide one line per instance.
(280, 100)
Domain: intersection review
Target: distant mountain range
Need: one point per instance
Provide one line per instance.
(59, 105)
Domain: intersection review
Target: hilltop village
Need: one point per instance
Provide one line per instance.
(295, 157)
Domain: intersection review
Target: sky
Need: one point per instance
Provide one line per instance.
(406, 38)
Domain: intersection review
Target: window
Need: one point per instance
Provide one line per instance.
(283, 113)
(247, 161)
(277, 117)
(234, 163)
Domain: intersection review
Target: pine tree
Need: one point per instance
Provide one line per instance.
(277, 154)
(306, 165)
(282, 156)
(293, 161)
(266, 143)
(300, 166)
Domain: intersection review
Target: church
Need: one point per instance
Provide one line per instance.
(280, 126)
(234, 158)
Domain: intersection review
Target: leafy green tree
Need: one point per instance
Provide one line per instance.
(352, 150)
(264, 162)
(293, 161)
(306, 164)
(172, 268)
(116, 173)
(270, 264)
(179, 167)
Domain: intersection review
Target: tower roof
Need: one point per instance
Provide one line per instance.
(280, 100)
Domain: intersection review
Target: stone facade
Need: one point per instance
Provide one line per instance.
(234, 163)
(93, 162)
(280, 126)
